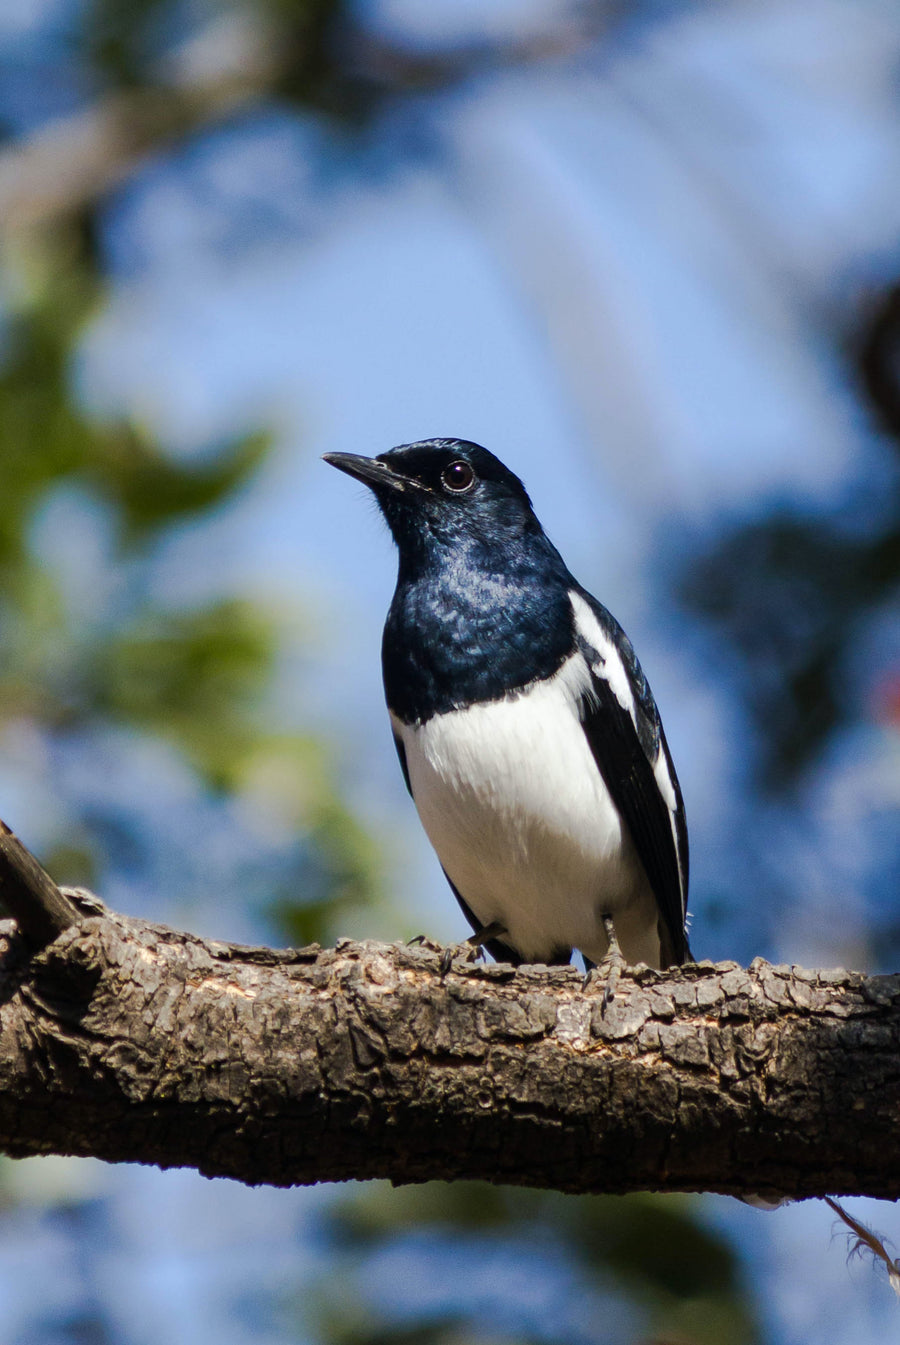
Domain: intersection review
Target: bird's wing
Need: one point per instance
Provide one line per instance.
(401, 753)
(622, 726)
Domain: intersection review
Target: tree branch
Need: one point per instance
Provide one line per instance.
(132, 1042)
(28, 892)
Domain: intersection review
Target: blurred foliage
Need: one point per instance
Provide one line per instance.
(792, 594)
(121, 39)
(192, 677)
(686, 1281)
(197, 678)
(46, 438)
(124, 42)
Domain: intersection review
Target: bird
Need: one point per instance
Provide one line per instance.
(526, 731)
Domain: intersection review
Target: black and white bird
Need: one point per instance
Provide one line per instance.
(527, 734)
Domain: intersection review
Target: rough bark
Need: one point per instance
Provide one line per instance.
(130, 1041)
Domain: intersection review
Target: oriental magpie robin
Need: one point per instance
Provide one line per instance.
(527, 734)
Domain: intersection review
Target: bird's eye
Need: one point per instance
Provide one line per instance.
(458, 477)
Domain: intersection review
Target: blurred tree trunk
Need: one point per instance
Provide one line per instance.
(132, 1042)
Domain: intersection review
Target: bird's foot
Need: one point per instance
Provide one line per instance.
(610, 968)
(472, 948)
(448, 951)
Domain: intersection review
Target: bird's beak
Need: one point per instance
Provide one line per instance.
(369, 470)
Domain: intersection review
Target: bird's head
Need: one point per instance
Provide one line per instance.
(443, 493)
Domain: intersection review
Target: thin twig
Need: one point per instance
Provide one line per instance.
(864, 1238)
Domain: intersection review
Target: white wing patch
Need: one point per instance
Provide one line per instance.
(611, 668)
(609, 665)
(664, 780)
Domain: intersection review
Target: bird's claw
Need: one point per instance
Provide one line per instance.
(467, 950)
(448, 952)
(610, 971)
(472, 948)
(612, 981)
(447, 957)
(611, 967)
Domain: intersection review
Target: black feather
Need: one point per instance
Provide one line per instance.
(625, 752)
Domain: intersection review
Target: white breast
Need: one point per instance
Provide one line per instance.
(512, 801)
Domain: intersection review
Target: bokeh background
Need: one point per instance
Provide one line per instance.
(646, 252)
